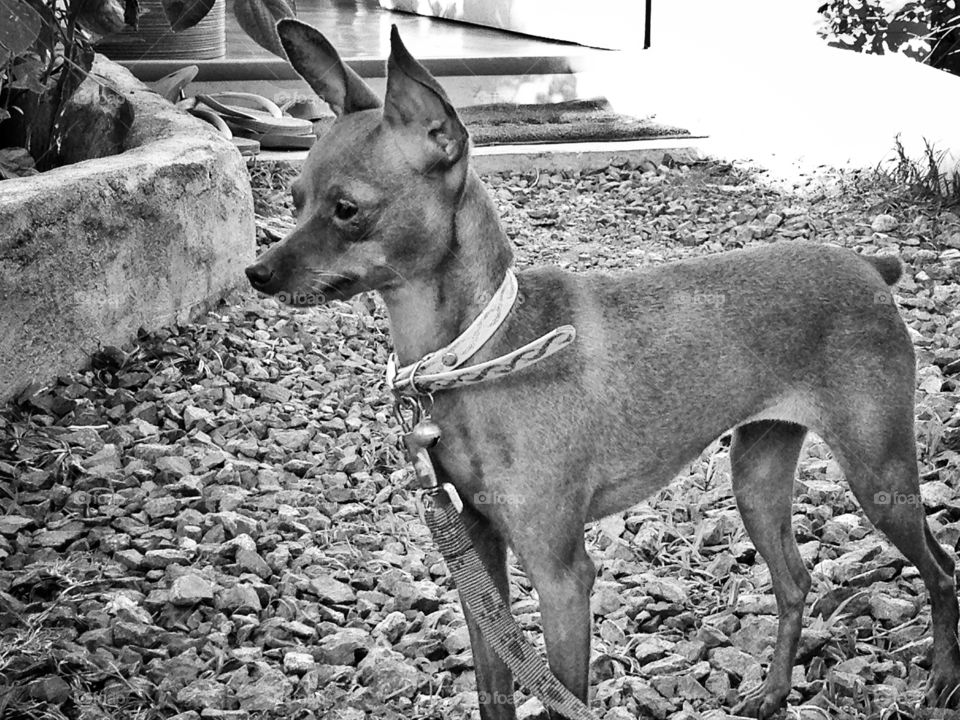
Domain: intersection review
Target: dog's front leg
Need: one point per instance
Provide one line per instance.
(494, 679)
(555, 560)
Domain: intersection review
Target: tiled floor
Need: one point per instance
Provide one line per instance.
(360, 30)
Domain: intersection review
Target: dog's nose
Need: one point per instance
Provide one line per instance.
(259, 275)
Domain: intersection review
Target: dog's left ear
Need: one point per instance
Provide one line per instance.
(416, 101)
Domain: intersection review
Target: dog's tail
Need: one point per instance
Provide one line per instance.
(889, 267)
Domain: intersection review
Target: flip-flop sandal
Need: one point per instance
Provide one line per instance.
(171, 86)
(274, 141)
(253, 118)
(269, 119)
(248, 147)
(305, 108)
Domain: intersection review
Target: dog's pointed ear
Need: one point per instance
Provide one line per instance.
(415, 100)
(317, 62)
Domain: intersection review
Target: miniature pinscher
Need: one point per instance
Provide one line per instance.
(796, 337)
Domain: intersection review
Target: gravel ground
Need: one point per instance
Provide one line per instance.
(214, 521)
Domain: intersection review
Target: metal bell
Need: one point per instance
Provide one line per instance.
(425, 434)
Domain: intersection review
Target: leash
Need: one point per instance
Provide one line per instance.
(442, 505)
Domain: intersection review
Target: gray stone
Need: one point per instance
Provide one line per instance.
(240, 598)
(649, 702)
(651, 649)
(275, 393)
(205, 693)
(52, 689)
(230, 548)
(59, 539)
(392, 627)
(606, 598)
(689, 689)
(292, 440)
(895, 610)
(126, 632)
(92, 251)
(756, 634)
(341, 647)
(388, 673)
(457, 640)
(218, 714)
(236, 525)
(161, 507)
(331, 590)
(162, 557)
(176, 465)
(129, 558)
(86, 437)
(665, 588)
(265, 693)
(105, 460)
(300, 629)
(190, 589)
(884, 223)
(297, 663)
(532, 709)
(193, 416)
(668, 665)
(12, 524)
(734, 661)
(152, 451)
(250, 561)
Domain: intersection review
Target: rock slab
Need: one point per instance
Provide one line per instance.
(92, 251)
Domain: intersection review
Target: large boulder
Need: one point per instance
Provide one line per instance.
(92, 251)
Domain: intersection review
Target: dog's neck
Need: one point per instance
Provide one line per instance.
(429, 312)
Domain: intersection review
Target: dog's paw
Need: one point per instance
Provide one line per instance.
(761, 702)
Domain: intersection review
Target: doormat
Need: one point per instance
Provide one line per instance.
(563, 122)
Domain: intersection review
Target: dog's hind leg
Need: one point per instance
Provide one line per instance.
(763, 460)
(494, 678)
(877, 453)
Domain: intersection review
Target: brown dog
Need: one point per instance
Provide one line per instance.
(800, 337)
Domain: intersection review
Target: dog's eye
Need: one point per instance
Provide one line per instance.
(345, 210)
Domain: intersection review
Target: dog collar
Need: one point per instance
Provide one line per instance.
(442, 369)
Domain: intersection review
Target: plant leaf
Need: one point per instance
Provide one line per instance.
(19, 26)
(27, 73)
(184, 14)
(258, 18)
(16, 162)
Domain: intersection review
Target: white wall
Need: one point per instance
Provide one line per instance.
(754, 74)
